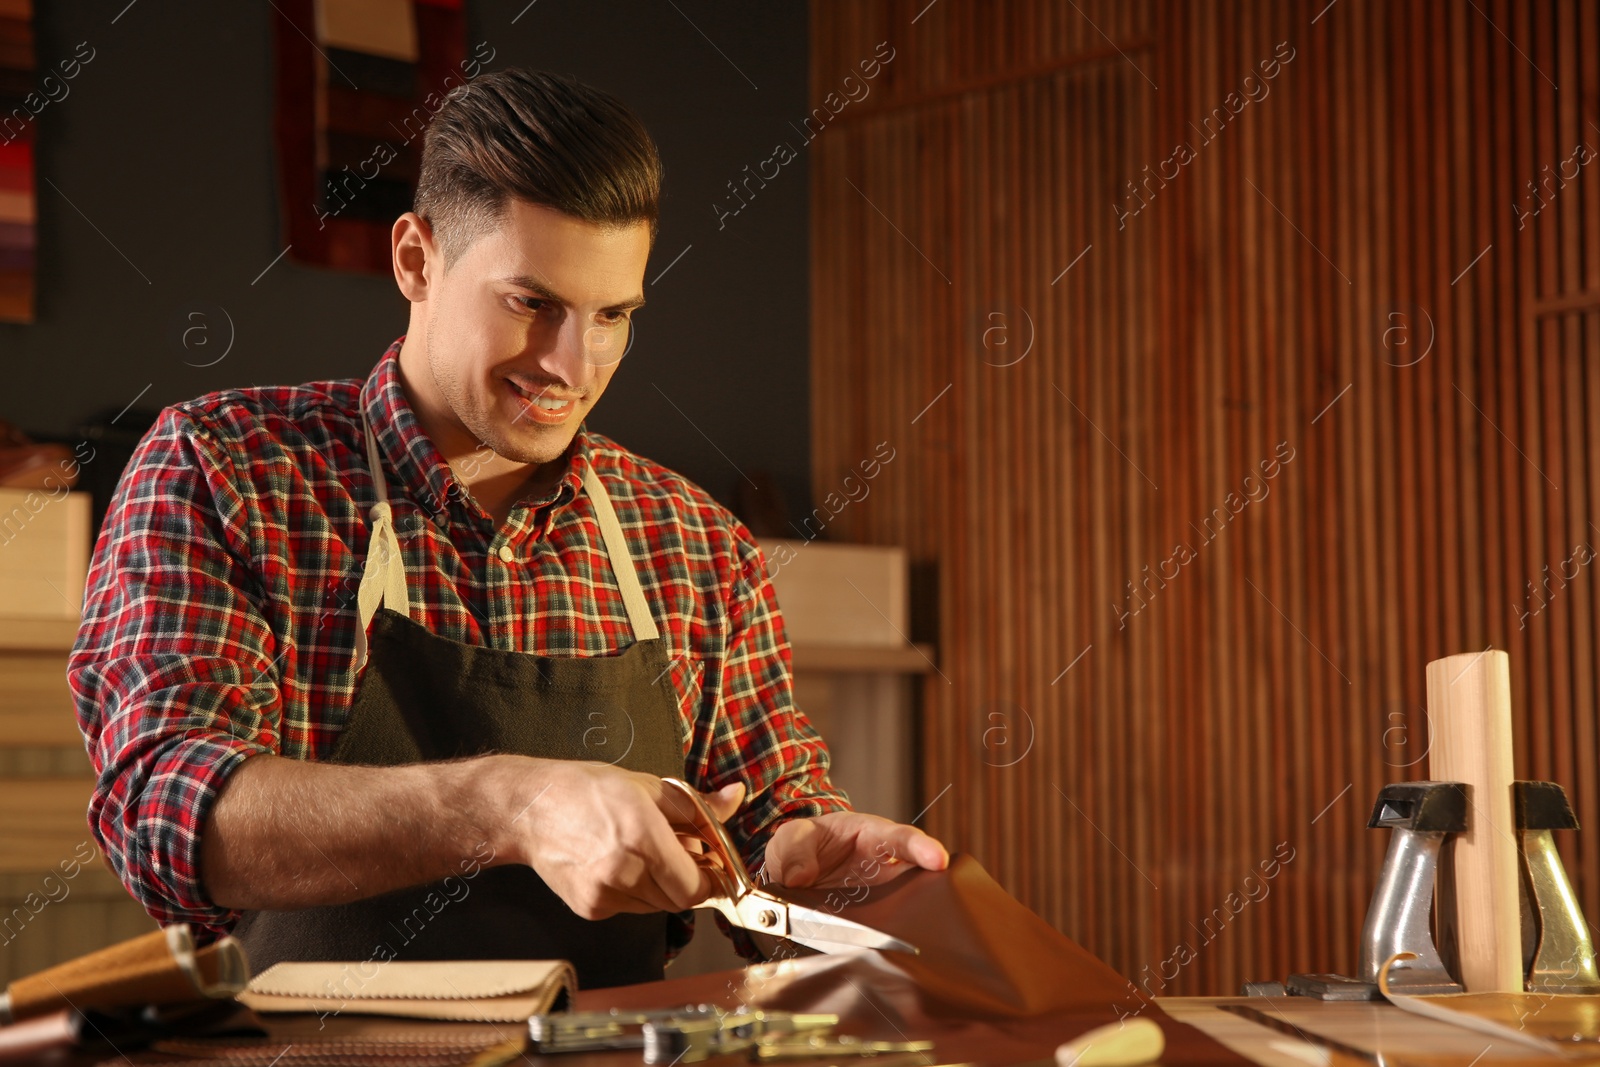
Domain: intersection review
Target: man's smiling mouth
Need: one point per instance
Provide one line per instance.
(541, 405)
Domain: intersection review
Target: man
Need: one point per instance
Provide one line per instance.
(394, 668)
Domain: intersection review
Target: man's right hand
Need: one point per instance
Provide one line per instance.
(284, 833)
(606, 840)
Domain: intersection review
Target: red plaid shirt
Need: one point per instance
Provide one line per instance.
(220, 618)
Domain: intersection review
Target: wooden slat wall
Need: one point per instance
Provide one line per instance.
(1338, 273)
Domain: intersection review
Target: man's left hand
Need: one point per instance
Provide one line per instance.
(848, 848)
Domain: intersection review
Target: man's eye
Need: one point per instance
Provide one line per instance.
(531, 303)
(613, 318)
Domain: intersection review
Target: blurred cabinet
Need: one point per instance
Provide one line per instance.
(847, 611)
(58, 899)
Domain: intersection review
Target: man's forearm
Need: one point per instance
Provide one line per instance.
(285, 833)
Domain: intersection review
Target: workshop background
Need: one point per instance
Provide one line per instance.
(1235, 360)
(1375, 271)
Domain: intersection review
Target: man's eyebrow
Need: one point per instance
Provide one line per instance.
(533, 285)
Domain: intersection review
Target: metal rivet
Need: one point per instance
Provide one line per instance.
(767, 918)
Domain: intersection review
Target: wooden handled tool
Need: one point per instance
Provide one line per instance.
(1469, 714)
(161, 967)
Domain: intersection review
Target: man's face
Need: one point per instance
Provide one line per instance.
(525, 330)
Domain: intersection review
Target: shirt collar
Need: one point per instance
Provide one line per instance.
(416, 470)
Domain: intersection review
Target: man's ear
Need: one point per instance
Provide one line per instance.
(411, 243)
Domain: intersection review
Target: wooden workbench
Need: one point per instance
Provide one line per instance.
(1380, 1027)
(1403, 1040)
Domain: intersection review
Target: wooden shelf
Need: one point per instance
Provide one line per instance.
(36, 709)
(905, 659)
(42, 821)
(37, 635)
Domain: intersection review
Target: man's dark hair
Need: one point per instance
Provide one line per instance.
(544, 138)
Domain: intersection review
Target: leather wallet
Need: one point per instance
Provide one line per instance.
(468, 990)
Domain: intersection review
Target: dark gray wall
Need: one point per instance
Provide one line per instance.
(157, 197)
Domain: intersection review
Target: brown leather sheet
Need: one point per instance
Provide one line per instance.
(994, 983)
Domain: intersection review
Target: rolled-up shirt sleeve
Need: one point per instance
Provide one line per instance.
(173, 670)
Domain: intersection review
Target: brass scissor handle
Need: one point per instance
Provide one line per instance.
(723, 856)
(745, 904)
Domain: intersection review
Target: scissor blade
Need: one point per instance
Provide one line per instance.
(831, 933)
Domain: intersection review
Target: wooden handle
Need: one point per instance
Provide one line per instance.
(1469, 712)
(142, 970)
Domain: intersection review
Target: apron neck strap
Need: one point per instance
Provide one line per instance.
(383, 578)
(644, 626)
(374, 464)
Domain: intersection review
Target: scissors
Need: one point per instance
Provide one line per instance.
(750, 907)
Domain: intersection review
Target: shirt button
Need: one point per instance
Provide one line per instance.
(506, 555)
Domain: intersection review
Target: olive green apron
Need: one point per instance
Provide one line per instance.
(426, 697)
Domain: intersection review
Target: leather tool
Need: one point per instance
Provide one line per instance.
(1419, 814)
(807, 1046)
(596, 1031)
(1125, 1043)
(764, 1036)
(698, 1032)
(746, 905)
(161, 968)
(1558, 952)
